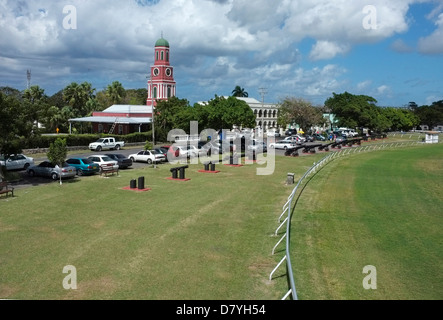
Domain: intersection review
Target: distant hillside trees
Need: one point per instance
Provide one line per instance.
(432, 115)
(361, 111)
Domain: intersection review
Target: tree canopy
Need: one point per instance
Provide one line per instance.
(299, 111)
(360, 111)
(431, 115)
(239, 92)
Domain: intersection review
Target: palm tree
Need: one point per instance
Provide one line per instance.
(239, 92)
(115, 92)
(76, 96)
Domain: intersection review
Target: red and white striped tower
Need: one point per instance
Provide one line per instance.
(161, 85)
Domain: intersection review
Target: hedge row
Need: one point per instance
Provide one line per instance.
(75, 140)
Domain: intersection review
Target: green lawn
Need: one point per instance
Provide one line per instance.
(207, 238)
(212, 237)
(381, 208)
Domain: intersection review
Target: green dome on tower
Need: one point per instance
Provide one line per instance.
(162, 43)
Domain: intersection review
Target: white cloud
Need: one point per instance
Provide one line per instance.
(214, 44)
(433, 44)
(323, 50)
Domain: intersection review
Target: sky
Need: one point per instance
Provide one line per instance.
(389, 50)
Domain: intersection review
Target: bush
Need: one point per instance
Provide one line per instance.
(79, 140)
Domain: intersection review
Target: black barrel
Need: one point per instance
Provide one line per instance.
(141, 183)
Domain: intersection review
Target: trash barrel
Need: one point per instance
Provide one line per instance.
(133, 184)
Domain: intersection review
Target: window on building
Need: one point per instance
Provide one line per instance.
(100, 128)
(120, 129)
(167, 56)
(169, 92)
(155, 92)
(156, 57)
(162, 55)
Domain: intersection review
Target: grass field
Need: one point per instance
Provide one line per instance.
(211, 237)
(383, 209)
(207, 238)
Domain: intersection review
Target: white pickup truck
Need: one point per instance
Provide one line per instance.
(106, 144)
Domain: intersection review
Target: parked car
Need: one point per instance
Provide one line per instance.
(283, 144)
(273, 133)
(17, 162)
(122, 161)
(108, 143)
(295, 138)
(309, 138)
(188, 151)
(319, 137)
(340, 139)
(301, 138)
(290, 132)
(143, 156)
(83, 166)
(257, 146)
(218, 146)
(48, 169)
(103, 161)
(159, 156)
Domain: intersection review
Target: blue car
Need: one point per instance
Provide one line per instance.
(83, 166)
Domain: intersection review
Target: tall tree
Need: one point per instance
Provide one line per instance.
(299, 111)
(77, 95)
(115, 92)
(35, 103)
(57, 153)
(356, 111)
(432, 115)
(173, 113)
(14, 125)
(222, 113)
(239, 92)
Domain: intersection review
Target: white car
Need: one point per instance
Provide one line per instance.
(143, 156)
(104, 161)
(17, 162)
(283, 144)
(258, 146)
(159, 156)
(188, 151)
(296, 139)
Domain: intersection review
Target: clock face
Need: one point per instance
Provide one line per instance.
(168, 72)
(155, 72)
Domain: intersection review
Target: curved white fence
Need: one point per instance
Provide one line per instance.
(288, 209)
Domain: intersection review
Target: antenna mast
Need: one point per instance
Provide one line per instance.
(28, 76)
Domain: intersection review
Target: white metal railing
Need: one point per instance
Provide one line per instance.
(287, 207)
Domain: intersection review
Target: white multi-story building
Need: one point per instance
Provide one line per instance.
(266, 114)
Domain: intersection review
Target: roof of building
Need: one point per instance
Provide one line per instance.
(113, 120)
(162, 43)
(124, 108)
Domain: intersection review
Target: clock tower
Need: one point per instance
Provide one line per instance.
(161, 85)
